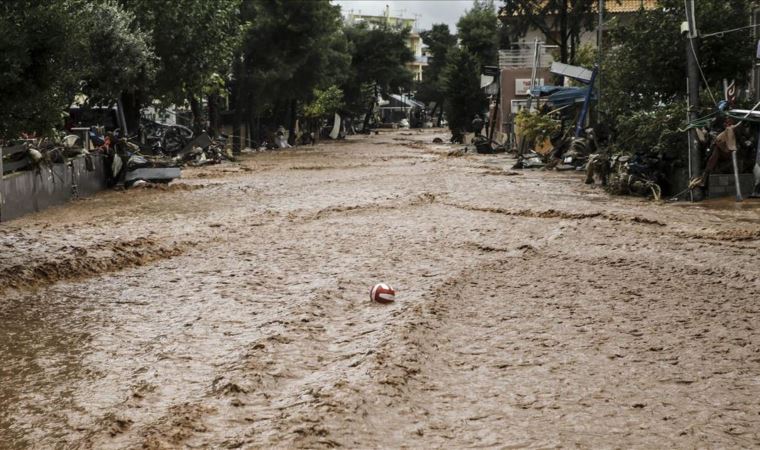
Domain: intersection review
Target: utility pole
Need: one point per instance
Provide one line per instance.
(600, 48)
(694, 84)
(536, 55)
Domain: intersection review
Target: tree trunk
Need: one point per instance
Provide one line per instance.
(365, 129)
(316, 129)
(432, 113)
(250, 122)
(293, 121)
(195, 107)
(237, 120)
(237, 102)
(131, 104)
(563, 35)
(213, 114)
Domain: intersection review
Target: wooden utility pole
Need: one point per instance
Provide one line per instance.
(694, 83)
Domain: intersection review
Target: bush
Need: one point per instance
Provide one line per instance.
(534, 126)
(653, 132)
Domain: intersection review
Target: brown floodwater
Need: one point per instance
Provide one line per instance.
(231, 310)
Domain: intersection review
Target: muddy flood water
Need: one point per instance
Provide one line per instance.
(231, 310)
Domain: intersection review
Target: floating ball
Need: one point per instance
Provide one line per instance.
(382, 293)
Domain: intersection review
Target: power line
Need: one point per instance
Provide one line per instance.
(699, 66)
(721, 33)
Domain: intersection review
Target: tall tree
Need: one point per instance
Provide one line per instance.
(378, 60)
(119, 56)
(464, 96)
(38, 69)
(289, 48)
(478, 31)
(560, 21)
(194, 39)
(440, 42)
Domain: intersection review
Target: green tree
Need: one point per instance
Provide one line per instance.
(324, 105)
(289, 49)
(478, 31)
(647, 64)
(326, 102)
(193, 39)
(464, 97)
(378, 59)
(38, 72)
(119, 55)
(560, 21)
(440, 42)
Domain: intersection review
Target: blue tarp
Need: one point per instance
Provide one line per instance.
(544, 91)
(560, 96)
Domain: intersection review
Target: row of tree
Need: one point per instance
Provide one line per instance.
(273, 60)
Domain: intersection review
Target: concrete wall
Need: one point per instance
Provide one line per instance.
(32, 191)
(723, 185)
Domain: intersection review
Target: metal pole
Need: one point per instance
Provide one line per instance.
(2, 185)
(523, 142)
(600, 45)
(689, 139)
(755, 169)
(694, 82)
(581, 125)
(122, 119)
(535, 64)
(736, 177)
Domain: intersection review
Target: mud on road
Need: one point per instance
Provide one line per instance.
(232, 311)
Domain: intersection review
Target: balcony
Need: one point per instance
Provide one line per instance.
(522, 57)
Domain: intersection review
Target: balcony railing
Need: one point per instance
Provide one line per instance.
(522, 57)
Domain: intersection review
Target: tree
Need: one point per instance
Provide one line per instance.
(440, 42)
(119, 55)
(560, 21)
(646, 66)
(464, 96)
(378, 59)
(479, 32)
(38, 73)
(289, 49)
(325, 104)
(194, 39)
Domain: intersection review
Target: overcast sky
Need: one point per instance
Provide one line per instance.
(428, 11)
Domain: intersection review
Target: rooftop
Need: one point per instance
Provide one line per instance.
(623, 6)
(611, 6)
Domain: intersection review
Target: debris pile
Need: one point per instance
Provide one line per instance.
(157, 158)
(36, 153)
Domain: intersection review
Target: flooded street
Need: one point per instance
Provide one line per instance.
(232, 310)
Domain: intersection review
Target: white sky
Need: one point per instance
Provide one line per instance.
(428, 11)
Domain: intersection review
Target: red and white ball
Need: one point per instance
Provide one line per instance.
(382, 293)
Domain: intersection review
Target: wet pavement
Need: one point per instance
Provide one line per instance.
(231, 310)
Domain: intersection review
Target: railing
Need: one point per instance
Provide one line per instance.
(523, 58)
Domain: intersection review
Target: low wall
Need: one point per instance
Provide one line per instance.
(32, 191)
(723, 185)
